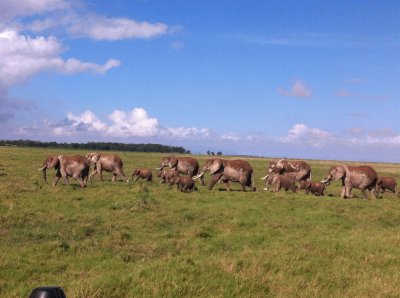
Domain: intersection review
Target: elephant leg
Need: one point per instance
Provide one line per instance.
(373, 193)
(214, 180)
(94, 172)
(226, 183)
(65, 178)
(243, 183)
(364, 194)
(57, 178)
(120, 172)
(343, 193)
(266, 184)
(202, 181)
(278, 185)
(81, 182)
(378, 189)
(348, 188)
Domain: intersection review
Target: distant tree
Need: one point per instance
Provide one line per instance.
(219, 153)
(208, 152)
(212, 153)
(98, 146)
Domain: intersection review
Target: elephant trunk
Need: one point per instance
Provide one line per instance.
(43, 169)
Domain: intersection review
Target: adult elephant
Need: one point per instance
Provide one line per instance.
(184, 165)
(106, 162)
(360, 177)
(76, 166)
(229, 171)
(299, 170)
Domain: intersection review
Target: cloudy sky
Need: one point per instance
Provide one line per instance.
(303, 79)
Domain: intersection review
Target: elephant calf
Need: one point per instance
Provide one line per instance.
(142, 173)
(316, 188)
(183, 183)
(167, 174)
(386, 183)
(283, 181)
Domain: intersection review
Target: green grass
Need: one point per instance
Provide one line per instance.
(144, 239)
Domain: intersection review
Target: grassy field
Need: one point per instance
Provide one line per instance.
(144, 239)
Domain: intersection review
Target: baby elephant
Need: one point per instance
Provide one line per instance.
(142, 173)
(316, 188)
(388, 183)
(283, 181)
(167, 174)
(183, 183)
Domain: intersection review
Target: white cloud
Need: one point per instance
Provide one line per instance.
(122, 124)
(186, 133)
(22, 57)
(299, 89)
(102, 28)
(301, 133)
(87, 122)
(230, 137)
(10, 9)
(132, 124)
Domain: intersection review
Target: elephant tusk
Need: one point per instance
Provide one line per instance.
(326, 181)
(158, 169)
(42, 168)
(198, 176)
(264, 178)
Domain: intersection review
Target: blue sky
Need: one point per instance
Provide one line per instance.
(299, 79)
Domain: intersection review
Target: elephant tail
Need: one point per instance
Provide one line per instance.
(253, 186)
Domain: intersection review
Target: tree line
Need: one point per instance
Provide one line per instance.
(98, 146)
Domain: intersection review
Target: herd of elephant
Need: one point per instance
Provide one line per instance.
(183, 171)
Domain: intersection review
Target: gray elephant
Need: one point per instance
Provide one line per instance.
(285, 181)
(76, 166)
(185, 165)
(106, 162)
(316, 188)
(183, 183)
(298, 169)
(229, 171)
(387, 183)
(167, 174)
(360, 177)
(142, 173)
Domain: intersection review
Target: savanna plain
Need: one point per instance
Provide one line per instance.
(141, 239)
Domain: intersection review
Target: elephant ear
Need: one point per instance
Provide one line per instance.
(216, 166)
(339, 172)
(53, 161)
(96, 157)
(173, 162)
(280, 166)
(346, 169)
